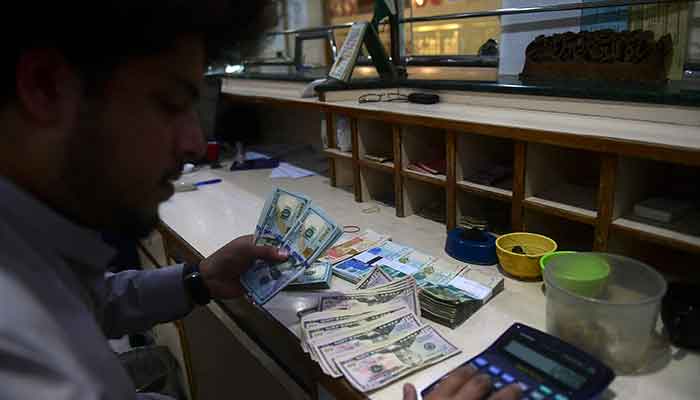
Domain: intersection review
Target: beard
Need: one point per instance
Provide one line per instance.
(103, 197)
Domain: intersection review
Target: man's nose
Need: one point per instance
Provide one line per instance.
(191, 142)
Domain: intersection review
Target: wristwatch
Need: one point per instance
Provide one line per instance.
(194, 285)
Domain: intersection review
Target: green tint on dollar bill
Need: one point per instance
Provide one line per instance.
(281, 212)
(375, 368)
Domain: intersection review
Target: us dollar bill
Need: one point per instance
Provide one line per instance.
(368, 370)
(317, 276)
(282, 210)
(327, 349)
(352, 323)
(345, 301)
(311, 235)
(375, 277)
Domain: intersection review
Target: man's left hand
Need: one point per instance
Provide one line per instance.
(222, 270)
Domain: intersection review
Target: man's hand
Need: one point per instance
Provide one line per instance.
(465, 384)
(221, 271)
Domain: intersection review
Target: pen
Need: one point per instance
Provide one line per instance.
(186, 187)
(209, 182)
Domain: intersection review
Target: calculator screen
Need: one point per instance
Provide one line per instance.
(552, 368)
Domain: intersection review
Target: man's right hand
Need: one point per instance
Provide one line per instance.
(465, 384)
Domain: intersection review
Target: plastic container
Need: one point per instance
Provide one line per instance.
(523, 266)
(479, 250)
(612, 316)
(547, 257)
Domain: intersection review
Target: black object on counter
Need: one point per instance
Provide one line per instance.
(423, 98)
(680, 311)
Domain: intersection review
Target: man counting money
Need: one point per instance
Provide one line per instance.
(97, 111)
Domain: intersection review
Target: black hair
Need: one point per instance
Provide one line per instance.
(98, 35)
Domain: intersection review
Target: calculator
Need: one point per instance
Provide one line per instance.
(544, 366)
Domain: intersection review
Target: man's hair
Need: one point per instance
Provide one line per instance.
(96, 36)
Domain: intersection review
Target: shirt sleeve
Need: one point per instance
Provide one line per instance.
(137, 300)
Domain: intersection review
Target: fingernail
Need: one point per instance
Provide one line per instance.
(283, 253)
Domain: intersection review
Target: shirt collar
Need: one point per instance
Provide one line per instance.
(41, 224)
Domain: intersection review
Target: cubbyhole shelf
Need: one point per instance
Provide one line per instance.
(335, 153)
(423, 145)
(675, 265)
(377, 186)
(425, 200)
(485, 166)
(344, 178)
(569, 235)
(340, 136)
(562, 182)
(375, 143)
(658, 202)
(496, 213)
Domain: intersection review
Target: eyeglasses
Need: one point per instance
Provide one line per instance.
(377, 97)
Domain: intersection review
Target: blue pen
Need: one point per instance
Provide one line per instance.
(209, 182)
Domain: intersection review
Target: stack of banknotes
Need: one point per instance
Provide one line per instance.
(373, 336)
(290, 221)
(450, 292)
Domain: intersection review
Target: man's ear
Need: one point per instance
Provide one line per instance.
(48, 87)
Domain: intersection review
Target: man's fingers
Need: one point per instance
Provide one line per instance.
(270, 253)
(453, 382)
(476, 388)
(409, 392)
(510, 392)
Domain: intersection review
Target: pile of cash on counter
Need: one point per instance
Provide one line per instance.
(373, 335)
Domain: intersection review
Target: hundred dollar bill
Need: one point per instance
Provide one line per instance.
(352, 246)
(374, 278)
(312, 234)
(346, 301)
(321, 318)
(317, 276)
(372, 369)
(327, 349)
(281, 212)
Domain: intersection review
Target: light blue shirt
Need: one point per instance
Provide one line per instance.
(58, 306)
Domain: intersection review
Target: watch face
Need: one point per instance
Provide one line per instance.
(196, 289)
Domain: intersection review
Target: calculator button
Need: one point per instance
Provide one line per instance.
(498, 385)
(480, 362)
(537, 396)
(507, 378)
(494, 370)
(544, 389)
(524, 387)
(560, 397)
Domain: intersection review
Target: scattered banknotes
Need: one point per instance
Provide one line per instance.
(375, 277)
(407, 292)
(355, 268)
(371, 369)
(317, 276)
(329, 348)
(408, 263)
(353, 245)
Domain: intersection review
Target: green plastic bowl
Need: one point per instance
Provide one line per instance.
(549, 256)
(585, 274)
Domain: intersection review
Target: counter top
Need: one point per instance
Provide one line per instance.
(208, 218)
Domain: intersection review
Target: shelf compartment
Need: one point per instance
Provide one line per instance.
(423, 145)
(344, 177)
(569, 235)
(385, 166)
(640, 180)
(437, 180)
(562, 180)
(675, 265)
(485, 166)
(335, 153)
(375, 138)
(491, 192)
(496, 213)
(426, 200)
(561, 210)
(377, 186)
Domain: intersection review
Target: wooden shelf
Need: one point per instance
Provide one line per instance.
(437, 180)
(486, 191)
(385, 166)
(657, 234)
(335, 153)
(561, 210)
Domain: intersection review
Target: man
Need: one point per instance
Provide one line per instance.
(96, 109)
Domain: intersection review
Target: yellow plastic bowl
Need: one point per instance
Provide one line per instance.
(524, 266)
